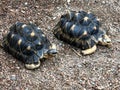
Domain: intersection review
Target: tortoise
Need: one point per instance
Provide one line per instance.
(81, 29)
(28, 43)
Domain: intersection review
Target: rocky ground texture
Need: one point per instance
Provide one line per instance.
(68, 70)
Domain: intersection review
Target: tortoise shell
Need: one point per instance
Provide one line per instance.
(28, 43)
(80, 29)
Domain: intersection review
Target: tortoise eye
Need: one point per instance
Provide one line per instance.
(103, 36)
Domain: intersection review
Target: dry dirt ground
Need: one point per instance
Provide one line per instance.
(66, 71)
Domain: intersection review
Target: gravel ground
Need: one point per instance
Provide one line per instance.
(66, 71)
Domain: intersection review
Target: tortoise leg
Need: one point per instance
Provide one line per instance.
(32, 66)
(89, 51)
(53, 50)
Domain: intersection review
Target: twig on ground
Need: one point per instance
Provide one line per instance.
(76, 52)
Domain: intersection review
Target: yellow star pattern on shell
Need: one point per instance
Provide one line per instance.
(28, 48)
(86, 18)
(73, 26)
(32, 34)
(94, 27)
(19, 41)
(39, 43)
(12, 35)
(24, 25)
(85, 33)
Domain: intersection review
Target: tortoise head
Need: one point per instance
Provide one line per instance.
(52, 51)
(103, 39)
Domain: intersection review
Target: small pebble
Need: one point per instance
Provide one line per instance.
(27, 89)
(60, 44)
(68, 1)
(17, 67)
(79, 65)
(118, 66)
(13, 77)
(103, 2)
(26, 3)
(54, 18)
